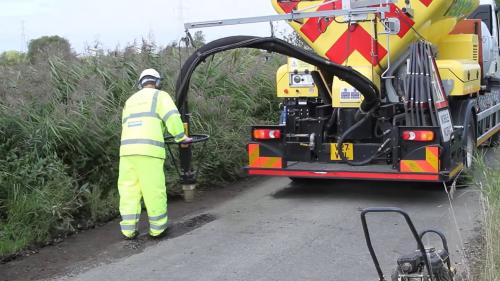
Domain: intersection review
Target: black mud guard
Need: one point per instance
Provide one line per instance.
(462, 112)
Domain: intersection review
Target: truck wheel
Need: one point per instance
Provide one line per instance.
(300, 180)
(470, 146)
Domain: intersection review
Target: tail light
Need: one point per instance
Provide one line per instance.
(418, 136)
(266, 134)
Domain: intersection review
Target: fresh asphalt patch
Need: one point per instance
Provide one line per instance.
(183, 227)
(174, 230)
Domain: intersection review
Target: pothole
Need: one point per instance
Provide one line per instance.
(183, 227)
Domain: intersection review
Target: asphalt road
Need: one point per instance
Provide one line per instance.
(281, 230)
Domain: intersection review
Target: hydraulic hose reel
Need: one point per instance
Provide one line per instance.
(365, 86)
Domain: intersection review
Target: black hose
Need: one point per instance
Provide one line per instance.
(406, 91)
(331, 121)
(424, 97)
(429, 89)
(322, 88)
(425, 93)
(412, 87)
(340, 143)
(418, 90)
(409, 121)
(365, 86)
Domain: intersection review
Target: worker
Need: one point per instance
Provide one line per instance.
(148, 115)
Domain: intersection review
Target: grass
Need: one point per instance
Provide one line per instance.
(489, 184)
(60, 130)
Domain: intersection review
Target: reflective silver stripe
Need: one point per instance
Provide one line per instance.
(135, 124)
(141, 114)
(179, 136)
(143, 141)
(128, 227)
(130, 217)
(157, 218)
(155, 102)
(158, 227)
(170, 113)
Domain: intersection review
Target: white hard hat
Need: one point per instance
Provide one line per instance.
(149, 75)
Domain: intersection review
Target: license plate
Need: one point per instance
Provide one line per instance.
(348, 149)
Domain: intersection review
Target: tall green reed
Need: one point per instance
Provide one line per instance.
(60, 131)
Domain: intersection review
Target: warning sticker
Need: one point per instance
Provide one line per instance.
(446, 124)
(349, 95)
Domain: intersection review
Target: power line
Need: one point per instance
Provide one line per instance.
(23, 37)
(180, 9)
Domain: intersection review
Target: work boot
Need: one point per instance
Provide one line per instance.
(160, 236)
(133, 237)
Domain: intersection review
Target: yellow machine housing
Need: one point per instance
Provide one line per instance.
(288, 76)
(458, 63)
(345, 95)
(462, 77)
(459, 47)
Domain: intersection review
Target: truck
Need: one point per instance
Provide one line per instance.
(402, 90)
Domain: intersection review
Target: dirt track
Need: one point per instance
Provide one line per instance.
(265, 229)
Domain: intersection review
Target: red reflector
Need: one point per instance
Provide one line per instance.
(266, 134)
(418, 135)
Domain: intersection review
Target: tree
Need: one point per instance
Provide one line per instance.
(48, 46)
(199, 39)
(11, 57)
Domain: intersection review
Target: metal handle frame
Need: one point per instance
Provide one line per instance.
(413, 231)
(197, 138)
(445, 245)
(185, 172)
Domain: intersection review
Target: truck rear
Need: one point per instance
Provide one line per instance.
(434, 64)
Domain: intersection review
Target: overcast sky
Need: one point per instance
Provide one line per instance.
(118, 22)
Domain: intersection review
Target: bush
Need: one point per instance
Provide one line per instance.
(11, 58)
(42, 48)
(489, 184)
(60, 123)
(39, 201)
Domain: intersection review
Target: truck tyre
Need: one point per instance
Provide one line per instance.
(300, 180)
(470, 146)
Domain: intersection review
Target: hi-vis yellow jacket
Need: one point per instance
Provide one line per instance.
(147, 116)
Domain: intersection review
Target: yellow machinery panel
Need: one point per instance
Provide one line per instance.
(460, 77)
(294, 80)
(458, 63)
(298, 66)
(459, 47)
(346, 96)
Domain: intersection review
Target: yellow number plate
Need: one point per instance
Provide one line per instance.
(348, 151)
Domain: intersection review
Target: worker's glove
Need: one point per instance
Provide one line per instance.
(187, 140)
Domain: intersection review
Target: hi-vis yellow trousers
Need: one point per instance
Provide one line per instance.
(142, 177)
